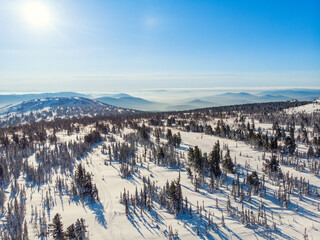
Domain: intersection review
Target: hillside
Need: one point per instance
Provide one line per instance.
(127, 101)
(308, 108)
(241, 172)
(47, 109)
(7, 99)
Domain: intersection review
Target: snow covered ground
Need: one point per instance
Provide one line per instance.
(107, 219)
(309, 108)
(48, 109)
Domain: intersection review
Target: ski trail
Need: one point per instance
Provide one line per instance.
(101, 173)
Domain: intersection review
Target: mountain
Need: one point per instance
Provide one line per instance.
(231, 98)
(300, 94)
(6, 99)
(254, 97)
(127, 101)
(58, 107)
(237, 95)
(175, 99)
(115, 95)
(270, 97)
(198, 101)
(193, 104)
(124, 101)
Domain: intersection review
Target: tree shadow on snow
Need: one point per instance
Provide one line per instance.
(148, 219)
(98, 210)
(96, 207)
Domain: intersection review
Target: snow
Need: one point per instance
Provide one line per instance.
(107, 219)
(50, 108)
(308, 108)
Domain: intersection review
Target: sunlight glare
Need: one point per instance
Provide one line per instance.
(37, 14)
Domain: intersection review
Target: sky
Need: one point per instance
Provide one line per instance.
(106, 45)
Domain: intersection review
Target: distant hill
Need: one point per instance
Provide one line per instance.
(242, 98)
(128, 101)
(300, 94)
(176, 100)
(58, 107)
(115, 95)
(238, 95)
(198, 101)
(6, 99)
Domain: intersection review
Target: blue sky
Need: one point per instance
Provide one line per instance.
(125, 44)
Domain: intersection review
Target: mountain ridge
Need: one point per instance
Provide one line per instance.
(58, 107)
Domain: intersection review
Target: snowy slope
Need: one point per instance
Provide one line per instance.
(308, 108)
(107, 219)
(57, 107)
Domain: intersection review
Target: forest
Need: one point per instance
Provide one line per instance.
(223, 172)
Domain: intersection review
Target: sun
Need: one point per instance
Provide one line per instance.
(37, 14)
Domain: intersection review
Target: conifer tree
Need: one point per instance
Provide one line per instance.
(56, 228)
(214, 160)
(227, 162)
(71, 232)
(81, 229)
